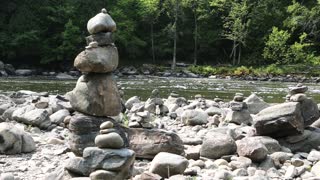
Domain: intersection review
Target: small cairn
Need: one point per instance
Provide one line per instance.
(239, 113)
(309, 108)
(99, 162)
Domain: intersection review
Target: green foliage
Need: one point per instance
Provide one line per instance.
(214, 32)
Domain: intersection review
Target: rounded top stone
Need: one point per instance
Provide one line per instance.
(102, 22)
(106, 125)
(103, 10)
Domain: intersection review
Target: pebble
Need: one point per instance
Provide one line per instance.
(106, 125)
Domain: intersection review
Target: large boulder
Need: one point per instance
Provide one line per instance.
(252, 148)
(99, 60)
(84, 129)
(167, 164)
(102, 22)
(279, 120)
(149, 142)
(309, 111)
(94, 158)
(194, 117)
(14, 140)
(216, 145)
(97, 95)
(255, 104)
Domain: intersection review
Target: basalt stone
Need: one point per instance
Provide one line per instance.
(102, 39)
(102, 22)
(97, 95)
(280, 120)
(99, 60)
(115, 160)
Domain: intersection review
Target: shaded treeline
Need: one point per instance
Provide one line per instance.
(50, 33)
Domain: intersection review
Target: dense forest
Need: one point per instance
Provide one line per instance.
(50, 33)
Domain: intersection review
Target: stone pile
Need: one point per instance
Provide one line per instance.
(109, 160)
(239, 113)
(96, 98)
(140, 113)
(96, 94)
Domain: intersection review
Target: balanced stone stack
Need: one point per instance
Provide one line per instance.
(109, 160)
(96, 93)
(239, 113)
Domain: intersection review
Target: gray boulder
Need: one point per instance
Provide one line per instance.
(309, 111)
(252, 148)
(102, 22)
(271, 144)
(167, 164)
(97, 95)
(255, 104)
(194, 117)
(149, 142)
(279, 120)
(14, 140)
(116, 160)
(213, 111)
(31, 116)
(99, 60)
(216, 145)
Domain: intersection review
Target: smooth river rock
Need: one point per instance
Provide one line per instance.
(99, 60)
(97, 95)
(110, 140)
(102, 22)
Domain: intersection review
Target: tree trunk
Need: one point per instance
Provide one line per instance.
(234, 53)
(195, 38)
(239, 54)
(152, 45)
(173, 66)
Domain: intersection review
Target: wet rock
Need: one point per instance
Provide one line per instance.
(102, 22)
(14, 140)
(149, 142)
(216, 145)
(167, 164)
(98, 60)
(96, 94)
(279, 120)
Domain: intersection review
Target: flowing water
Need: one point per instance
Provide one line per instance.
(272, 92)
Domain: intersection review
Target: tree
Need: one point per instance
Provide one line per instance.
(236, 26)
(150, 11)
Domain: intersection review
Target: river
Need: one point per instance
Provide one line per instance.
(272, 92)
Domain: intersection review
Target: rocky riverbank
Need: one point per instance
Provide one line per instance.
(203, 139)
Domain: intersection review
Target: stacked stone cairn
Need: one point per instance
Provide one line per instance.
(96, 98)
(140, 113)
(239, 113)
